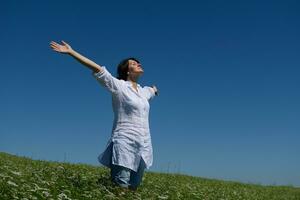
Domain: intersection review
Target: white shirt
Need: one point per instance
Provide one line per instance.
(130, 132)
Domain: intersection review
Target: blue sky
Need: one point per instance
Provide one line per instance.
(228, 74)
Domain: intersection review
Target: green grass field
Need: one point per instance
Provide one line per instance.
(24, 178)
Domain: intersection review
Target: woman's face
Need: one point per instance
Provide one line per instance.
(135, 67)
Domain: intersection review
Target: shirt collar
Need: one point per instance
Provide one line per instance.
(130, 84)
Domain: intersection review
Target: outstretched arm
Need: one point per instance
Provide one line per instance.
(66, 49)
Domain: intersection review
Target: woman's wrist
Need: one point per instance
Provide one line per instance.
(71, 52)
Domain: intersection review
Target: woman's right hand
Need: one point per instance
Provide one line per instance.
(64, 48)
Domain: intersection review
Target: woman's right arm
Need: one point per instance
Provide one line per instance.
(66, 49)
(100, 73)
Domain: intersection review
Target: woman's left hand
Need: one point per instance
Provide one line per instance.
(155, 89)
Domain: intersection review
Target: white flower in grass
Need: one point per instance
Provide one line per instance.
(32, 197)
(5, 176)
(46, 183)
(163, 196)
(16, 173)
(87, 195)
(12, 183)
(63, 196)
(67, 191)
(46, 194)
(110, 196)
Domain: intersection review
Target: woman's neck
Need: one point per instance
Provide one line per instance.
(133, 80)
(133, 83)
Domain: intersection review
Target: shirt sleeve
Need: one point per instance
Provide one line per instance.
(149, 91)
(105, 78)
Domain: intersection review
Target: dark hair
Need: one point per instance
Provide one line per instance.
(123, 68)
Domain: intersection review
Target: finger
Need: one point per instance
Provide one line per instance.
(56, 45)
(53, 46)
(64, 42)
(53, 43)
(55, 49)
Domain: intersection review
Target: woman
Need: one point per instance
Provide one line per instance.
(129, 149)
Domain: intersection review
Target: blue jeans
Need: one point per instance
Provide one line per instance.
(127, 178)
